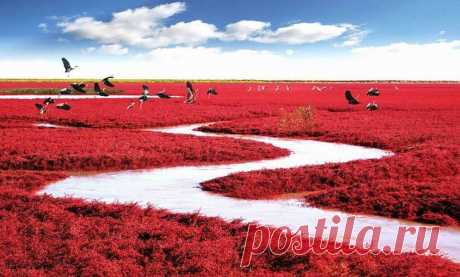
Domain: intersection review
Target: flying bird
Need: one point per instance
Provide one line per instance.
(48, 101)
(212, 91)
(65, 91)
(163, 95)
(80, 87)
(63, 106)
(41, 108)
(107, 82)
(373, 92)
(143, 98)
(320, 89)
(67, 65)
(351, 100)
(190, 99)
(99, 91)
(130, 106)
(372, 107)
(145, 89)
(145, 95)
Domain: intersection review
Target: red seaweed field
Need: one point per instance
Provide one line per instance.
(45, 236)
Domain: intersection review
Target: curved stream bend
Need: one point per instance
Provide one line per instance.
(177, 189)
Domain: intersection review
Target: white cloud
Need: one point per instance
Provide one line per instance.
(114, 49)
(442, 32)
(297, 33)
(43, 27)
(183, 33)
(145, 27)
(301, 33)
(354, 37)
(139, 27)
(245, 29)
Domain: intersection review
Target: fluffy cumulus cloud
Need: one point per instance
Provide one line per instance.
(299, 33)
(132, 27)
(245, 29)
(188, 33)
(142, 27)
(145, 27)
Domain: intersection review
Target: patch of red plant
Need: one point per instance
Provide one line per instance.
(40, 235)
(421, 182)
(44, 236)
(75, 149)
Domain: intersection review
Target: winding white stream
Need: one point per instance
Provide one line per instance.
(177, 190)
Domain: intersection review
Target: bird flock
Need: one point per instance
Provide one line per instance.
(351, 100)
(372, 92)
(101, 91)
(191, 93)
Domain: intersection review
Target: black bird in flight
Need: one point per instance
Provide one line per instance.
(372, 107)
(351, 100)
(80, 87)
(99, 91)
(48, 101)
(65, 91)
(212, 91)
(373, 92)
(41, 108)
(67, 65)
(163, 95)
(145, 94)
(107, 81)
(191, 95)
(144, 97)
(63, 106)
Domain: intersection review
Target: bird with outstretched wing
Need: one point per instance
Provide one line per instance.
(67, 65)
(351, 100)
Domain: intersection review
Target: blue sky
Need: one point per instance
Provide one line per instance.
(163, 34)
